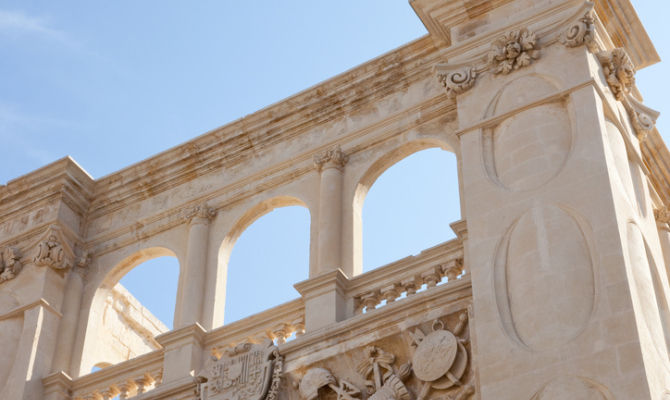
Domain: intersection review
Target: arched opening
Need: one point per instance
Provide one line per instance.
(265, 254)
(405, 204)
(134, 304)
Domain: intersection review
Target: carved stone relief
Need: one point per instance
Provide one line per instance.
(247, 371)
(10, 263)
(334, 157)
(52, 252)
(619, 71)
(436, 366)
(199, 213)
(513, 50)
(582, 32)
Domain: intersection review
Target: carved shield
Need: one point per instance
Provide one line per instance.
(243, 373)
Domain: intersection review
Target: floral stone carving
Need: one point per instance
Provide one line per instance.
(619, 71)
(248, 371)
(10, 264)
(441, 359)
(513, 50)
(334, 157)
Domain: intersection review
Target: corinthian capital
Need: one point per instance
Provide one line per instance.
(198, 214)
(333, 158)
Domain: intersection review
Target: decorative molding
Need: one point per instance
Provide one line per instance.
(10, 263)
(581, 32)
(53, 251)
(619, 71)
(333, 158)
(513, 50)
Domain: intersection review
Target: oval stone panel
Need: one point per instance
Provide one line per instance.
(531, 147)
(572, 387)
(548, 292)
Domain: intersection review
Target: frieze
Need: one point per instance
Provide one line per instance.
(429, 361)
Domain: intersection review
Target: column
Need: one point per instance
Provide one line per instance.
(69, 322)
(189, 304)
(331, 165)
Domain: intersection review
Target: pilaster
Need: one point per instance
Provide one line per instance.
(325, 300)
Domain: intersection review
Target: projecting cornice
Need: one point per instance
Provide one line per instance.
(451, 22)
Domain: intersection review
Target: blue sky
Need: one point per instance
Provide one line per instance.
(111, 83)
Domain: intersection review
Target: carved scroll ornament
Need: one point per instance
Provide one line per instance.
(458, 81)
(582, 32)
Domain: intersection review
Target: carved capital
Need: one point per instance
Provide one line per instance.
(199, 214)
(513, 50)
(619, 71)
(333, 158)
(53, 251)
(582, 32)
(10, 263)
(457, 81)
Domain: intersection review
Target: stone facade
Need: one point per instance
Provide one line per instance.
(555, 288)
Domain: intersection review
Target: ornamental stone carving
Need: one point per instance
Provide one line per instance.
(10, 263)
(51, 252)
(642, 118)
(333, 158)
(513, 50)
(458, 81)
(319, 378)
(248, 371)
(619, 71)
(662, 215)
(582, 32)
(383, 380)
(441, 359)
(199, 213)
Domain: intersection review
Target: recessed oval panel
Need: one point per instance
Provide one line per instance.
(531, 147)
(545, 284)
(572, 387)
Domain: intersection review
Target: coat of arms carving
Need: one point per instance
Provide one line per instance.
(249, 371)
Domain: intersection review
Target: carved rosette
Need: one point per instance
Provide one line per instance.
(582, 32)
(619, 71)
(10, 263)
(53, 252)
(333, 158)
(458, 81)
(513, 50)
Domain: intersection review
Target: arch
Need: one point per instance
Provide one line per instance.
(250, 217)
(110, 306)
(371, 175)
